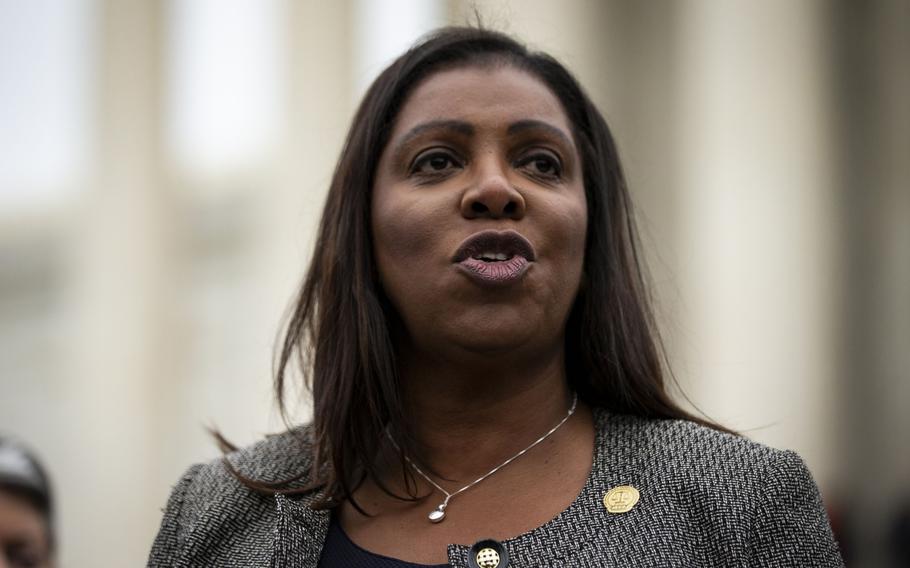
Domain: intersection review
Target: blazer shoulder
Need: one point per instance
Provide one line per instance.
(283, 458)
(210, 496)
(276, 458)
(687, 445)
(699, 464)
(765, 495)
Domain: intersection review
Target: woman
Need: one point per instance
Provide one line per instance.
(487, 382)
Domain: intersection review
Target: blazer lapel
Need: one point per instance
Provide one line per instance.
(299, 533)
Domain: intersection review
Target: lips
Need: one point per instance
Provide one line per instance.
(495, 257)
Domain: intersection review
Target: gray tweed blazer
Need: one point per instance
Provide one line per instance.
(706, 499)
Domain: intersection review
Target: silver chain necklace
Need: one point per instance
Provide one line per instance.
(438, 514)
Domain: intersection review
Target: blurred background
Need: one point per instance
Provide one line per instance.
(163, 165)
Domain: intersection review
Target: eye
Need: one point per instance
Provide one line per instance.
(541, 164)
(435, 163)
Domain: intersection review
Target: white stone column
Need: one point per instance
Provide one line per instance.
(757, 260)
(319, 109)
(119, 254)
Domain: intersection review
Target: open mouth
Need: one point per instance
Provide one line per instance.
(492, 256)
(495, 246)
(495, 257)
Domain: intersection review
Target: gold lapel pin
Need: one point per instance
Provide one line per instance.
(621, 499)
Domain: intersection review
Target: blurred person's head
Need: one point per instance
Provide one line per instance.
(26, 534)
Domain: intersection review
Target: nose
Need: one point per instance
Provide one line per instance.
(492, 196)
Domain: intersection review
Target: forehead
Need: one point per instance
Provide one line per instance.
(489, 96)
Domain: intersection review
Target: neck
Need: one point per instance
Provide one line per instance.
(486, 407)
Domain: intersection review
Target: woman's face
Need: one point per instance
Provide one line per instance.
(479, 214)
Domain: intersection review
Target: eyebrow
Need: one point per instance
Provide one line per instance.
(531, 124)
(458, 126)
(466, 129)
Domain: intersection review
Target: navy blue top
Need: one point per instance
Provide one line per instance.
(339, 551)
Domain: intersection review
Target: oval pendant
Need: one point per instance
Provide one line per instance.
(436, 516)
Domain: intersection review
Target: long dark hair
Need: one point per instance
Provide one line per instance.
(339, 331)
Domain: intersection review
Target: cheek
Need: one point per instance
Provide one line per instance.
(393, 240)
(568, 225)
(406, 244)
(567, 231)
(402, 231)
(579, 220)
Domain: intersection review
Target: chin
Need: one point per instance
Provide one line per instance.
(497, 339)
(496, 346)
